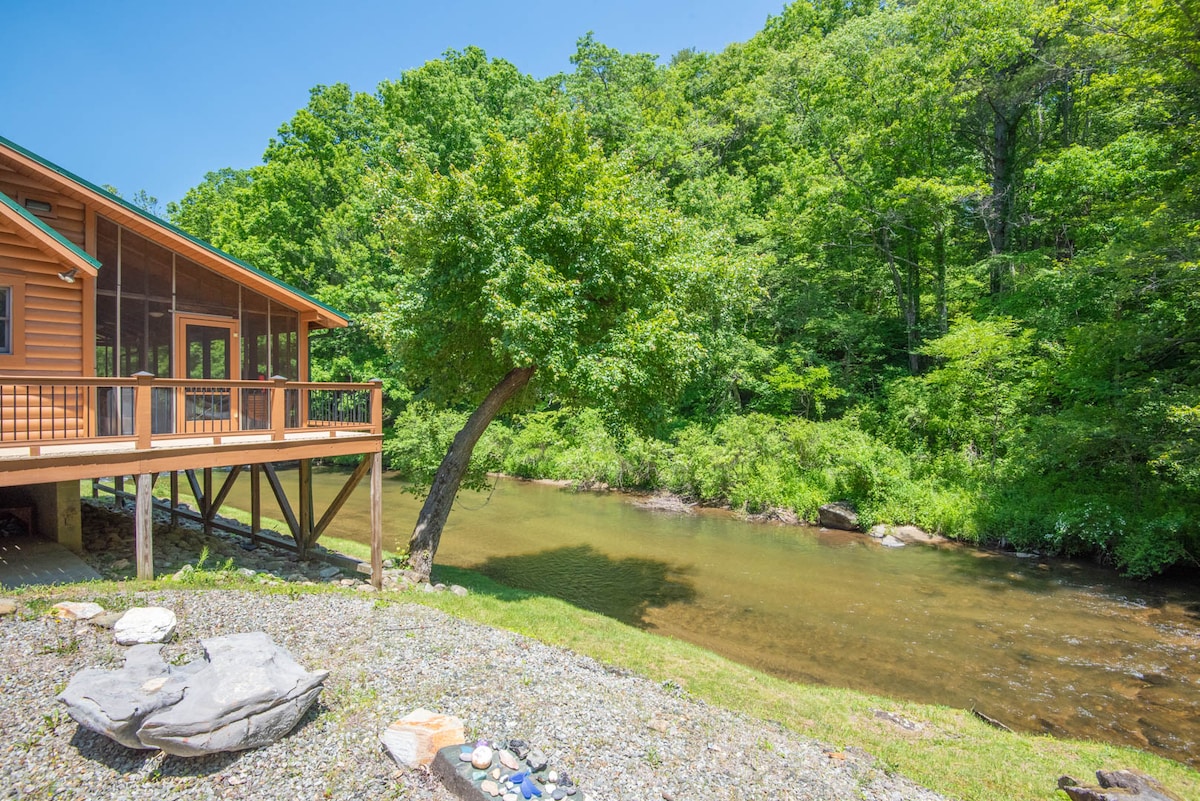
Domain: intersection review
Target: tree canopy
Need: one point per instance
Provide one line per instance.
(964, 232)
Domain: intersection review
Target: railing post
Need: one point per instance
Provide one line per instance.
(376, 405)
(278, 406)
(141, 409)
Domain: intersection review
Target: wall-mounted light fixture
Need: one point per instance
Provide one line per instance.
(69, 275)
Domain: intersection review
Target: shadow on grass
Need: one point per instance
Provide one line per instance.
(623, 589)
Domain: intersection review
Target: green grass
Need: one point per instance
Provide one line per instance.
(952, 752)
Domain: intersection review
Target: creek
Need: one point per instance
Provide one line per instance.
(1049, 646)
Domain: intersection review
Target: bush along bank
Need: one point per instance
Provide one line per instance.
(758, 463)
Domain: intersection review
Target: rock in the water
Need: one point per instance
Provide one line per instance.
(7, 606)
(1118, 785)
(116, 702)
(416, 738)
(76, 610)
(891, 542)
(838, 515)
(250, 694)
(145, 624)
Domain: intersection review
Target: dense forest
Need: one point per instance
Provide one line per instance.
(937, 258)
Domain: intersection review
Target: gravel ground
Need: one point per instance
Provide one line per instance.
(618, 735)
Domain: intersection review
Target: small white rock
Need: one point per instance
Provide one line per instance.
(145, 624)
(76, 610)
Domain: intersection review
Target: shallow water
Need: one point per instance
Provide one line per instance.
(1043, 646)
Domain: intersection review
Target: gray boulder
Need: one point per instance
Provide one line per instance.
(246, 693)
(838, 515)
(251, 693)
(116, 702)
(1117, 785)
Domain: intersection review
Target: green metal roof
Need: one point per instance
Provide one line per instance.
(161, 223)
(50, 232)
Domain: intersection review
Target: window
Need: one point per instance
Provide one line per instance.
(6, 331)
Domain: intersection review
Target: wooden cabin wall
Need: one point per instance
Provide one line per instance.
(67, 215)
(48, 338)
(51, 314)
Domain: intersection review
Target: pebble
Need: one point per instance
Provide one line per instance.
(76, 610)
(536, 761)
(509, 761)
(7, 606)
(510, 797)
(490, 787)
(481, 757)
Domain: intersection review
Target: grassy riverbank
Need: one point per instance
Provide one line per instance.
(948, 750)
(945, 749)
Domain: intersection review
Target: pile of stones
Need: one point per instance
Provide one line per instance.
(508, 771)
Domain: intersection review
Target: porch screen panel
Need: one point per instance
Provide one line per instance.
(201, 291)
(256, 360)
(106, 298)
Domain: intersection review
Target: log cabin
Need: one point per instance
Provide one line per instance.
(130, 348)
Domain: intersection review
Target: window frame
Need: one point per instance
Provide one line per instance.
(15, 320)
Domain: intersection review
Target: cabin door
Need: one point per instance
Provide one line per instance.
(207, 350)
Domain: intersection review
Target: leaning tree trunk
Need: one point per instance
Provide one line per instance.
(428, 531)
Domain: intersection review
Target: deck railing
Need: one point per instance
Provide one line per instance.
(143, 409)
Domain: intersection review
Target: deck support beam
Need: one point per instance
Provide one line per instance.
(306, 509)
(281, 498)
(342, 496)
(255, 498)
(376, 518)
(143, 527)
(207, 501)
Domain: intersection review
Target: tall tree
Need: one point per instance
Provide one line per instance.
(546, 271)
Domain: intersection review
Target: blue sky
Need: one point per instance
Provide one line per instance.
(152, 94)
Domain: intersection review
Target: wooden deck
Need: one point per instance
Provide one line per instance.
(59, 429)
(55, 429)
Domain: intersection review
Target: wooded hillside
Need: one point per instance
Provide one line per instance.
(958, 240)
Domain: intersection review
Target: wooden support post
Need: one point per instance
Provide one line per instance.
(377, 406)
(143, 528)
(174, 499)
(223, 493)
(305, 505)
(342, 496)
(255, 499)
(377, 520)
(197, 492)
(208, 507)
(285, 507)
(141, 410)
(118, 491)
(278, 406)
